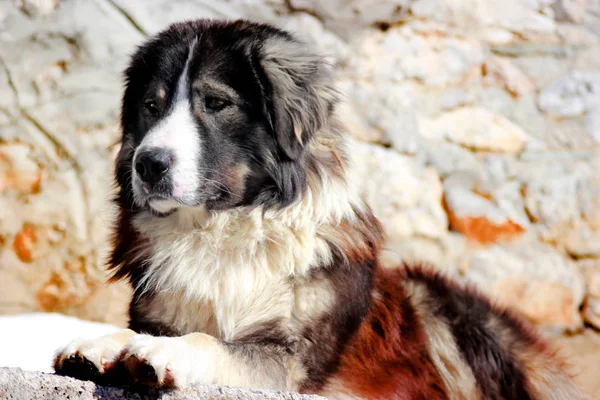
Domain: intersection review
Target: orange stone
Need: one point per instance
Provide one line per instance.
(482, 230)
(17, 170)
(29, 183)
(25, 242)
(49, 296)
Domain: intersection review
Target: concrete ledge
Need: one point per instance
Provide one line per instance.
(16, 384)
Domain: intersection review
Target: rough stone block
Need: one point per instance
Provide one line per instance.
(16, 384)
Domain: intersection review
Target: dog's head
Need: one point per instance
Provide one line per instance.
(220, 114)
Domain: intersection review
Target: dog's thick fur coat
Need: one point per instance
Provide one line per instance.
(253, 258)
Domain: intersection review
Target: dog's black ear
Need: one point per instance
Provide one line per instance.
(300, 96)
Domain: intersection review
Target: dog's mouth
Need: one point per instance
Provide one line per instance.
(157, 198)
(161, 206)
(164, 199)
(160, 202)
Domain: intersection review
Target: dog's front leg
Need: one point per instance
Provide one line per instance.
(169, 362)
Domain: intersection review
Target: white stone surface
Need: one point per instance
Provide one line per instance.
(426, 52)
(406, 196)
(572, 95)
(476, 128)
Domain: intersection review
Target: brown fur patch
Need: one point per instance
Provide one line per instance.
(388, 358)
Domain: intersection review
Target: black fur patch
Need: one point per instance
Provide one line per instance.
(138, 321)
(468, 315)
(326, 339)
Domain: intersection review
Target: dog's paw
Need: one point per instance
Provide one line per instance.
(164, 362)
(93, 359)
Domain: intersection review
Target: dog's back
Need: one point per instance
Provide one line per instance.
(425, 337)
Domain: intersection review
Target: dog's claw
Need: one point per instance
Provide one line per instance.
(141, 370)
(79, 367)
(148, 373)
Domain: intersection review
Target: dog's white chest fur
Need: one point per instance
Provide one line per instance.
(216, 273)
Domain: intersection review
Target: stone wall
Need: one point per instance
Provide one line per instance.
(478, 125)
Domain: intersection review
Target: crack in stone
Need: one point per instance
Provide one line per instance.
(293, 9)
(61, 151)
(64, 153)
(11, 83)
(128, 17)
(536, 50)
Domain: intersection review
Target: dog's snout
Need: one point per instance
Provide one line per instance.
(153, 164)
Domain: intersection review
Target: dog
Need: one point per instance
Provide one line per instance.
(253, 257)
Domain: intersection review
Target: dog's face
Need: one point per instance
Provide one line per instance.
(219, 114)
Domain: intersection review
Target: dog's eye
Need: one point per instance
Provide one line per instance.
(215, 104)
(152, 107)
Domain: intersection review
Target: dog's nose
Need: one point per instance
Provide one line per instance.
(153, 164)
